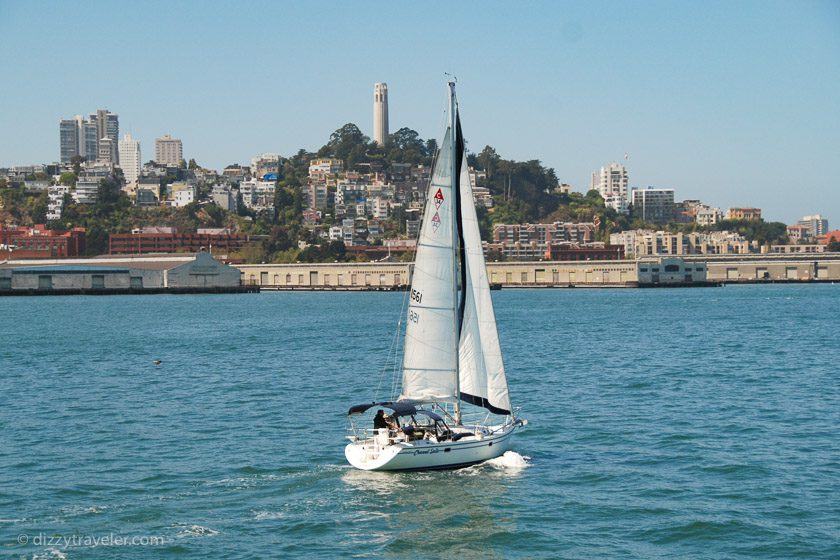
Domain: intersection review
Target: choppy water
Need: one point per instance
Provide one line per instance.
(696, 423)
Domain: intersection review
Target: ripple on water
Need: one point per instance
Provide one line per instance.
(709, 432)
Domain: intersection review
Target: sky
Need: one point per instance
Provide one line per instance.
(735, 103)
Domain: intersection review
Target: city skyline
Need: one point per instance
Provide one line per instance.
(734, 105)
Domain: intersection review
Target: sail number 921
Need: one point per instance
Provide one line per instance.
(416, 296)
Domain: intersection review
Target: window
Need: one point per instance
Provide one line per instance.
(97, 281)
(672, 268)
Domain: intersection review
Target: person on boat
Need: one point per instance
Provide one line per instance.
(380, 421)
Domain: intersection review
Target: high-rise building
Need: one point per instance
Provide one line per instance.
(106, 151)
(816, 224)
(380, 113)
(611, 182)
(107, 126)
(653, 205)
(168, 150)
(80, 137)
(130, 160)
(68, 133)
(89, 140)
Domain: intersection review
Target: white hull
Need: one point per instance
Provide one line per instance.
(370, 455)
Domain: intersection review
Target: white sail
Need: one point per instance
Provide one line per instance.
(482, 370)
(430, 338)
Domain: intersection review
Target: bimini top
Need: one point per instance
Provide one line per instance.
(401, 408)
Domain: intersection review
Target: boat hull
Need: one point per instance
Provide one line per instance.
(426, 455)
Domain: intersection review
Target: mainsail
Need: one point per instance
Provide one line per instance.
(451, 343)
(430, 339)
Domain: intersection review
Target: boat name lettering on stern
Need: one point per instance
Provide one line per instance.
(426, 451)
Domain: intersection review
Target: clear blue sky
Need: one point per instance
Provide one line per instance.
(736, 103)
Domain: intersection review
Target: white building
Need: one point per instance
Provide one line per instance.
(708, 216)
(87, 189)
(258, 195)
(380, 209)
(182, 194)
(168, 150)
(130, 161)
(55, 203)
(816, 224)
(611, 182)
(380, 113)
(318, 168)
(336, 233)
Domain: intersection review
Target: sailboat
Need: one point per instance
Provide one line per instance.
(454, 407)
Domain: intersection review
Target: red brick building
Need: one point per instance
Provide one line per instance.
(38, 242)
(139, 243)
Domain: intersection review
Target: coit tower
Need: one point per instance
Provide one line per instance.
(380, 113)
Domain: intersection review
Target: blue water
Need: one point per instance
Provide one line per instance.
(690, 423)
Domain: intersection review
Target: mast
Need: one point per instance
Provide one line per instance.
(456, 323)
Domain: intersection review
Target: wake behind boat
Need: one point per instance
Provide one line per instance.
(454, 408)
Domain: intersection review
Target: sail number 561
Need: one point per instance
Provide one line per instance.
(416, 296)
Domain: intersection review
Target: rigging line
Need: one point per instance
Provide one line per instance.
(395, 370)
(392, 350)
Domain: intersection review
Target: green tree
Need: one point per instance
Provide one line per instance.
(406, 146)
(96, 240)
(349, 144)
(68, 178)
(77, 162)
(764, 233)
(488, 161)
